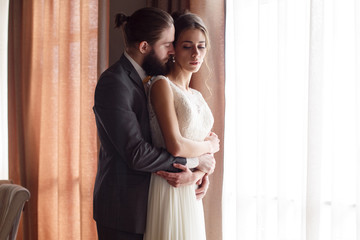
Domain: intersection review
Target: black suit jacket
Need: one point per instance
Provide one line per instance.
(126, 157)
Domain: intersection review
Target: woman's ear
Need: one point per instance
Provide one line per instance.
(144, 47)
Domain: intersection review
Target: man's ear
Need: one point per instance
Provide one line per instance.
(144, 47)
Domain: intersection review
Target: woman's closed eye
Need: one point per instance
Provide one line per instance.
(199, 47)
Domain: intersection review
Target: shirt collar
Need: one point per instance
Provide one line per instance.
(137, 67)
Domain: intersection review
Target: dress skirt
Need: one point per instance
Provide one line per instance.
(173, 213)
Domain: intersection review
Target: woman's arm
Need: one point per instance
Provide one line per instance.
(120, 127)
(162, 100)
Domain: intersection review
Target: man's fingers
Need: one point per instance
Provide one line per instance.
(200, 195)
(174, 183)
(167, 175)
(185, 177)
(180, 166)
(199, 190)
(162, 173)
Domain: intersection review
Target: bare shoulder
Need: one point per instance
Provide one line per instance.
(160, 84)
(160, 89)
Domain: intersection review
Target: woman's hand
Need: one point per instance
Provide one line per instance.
(206, 163)
(214, 142)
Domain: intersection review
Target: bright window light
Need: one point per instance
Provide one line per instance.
(4, 16)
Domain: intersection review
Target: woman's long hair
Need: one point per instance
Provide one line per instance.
(185, 20)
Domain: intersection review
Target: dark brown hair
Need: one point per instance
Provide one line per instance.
(184, 20)
(145, 24)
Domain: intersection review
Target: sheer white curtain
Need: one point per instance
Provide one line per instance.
(4, 15)
(292, 123)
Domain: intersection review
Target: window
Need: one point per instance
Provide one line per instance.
(4, 14)
(292, 152)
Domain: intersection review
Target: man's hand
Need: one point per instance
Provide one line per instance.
(203, 187)
(207, 163)
(186, 177)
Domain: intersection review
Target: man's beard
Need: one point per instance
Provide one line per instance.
(153, 66)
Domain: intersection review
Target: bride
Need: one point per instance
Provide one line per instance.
(181, 122)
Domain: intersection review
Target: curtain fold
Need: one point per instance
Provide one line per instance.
(210, 81)
(18, 68)
(53, 70)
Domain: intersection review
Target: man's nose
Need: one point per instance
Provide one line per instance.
(171, 49)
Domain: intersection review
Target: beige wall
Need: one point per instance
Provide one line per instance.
(116, 44)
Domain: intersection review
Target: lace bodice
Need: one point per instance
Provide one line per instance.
(194, 115)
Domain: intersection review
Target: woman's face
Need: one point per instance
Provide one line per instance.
(190, 50)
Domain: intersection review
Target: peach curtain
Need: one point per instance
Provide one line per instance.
(213, 14)
(53, 70)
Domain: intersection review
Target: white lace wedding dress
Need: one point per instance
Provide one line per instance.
(175, 213)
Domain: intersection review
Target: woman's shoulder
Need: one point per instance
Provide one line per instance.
(151, 80)
(157, 78)
(157, 84)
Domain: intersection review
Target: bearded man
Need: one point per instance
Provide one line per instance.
(127, 157)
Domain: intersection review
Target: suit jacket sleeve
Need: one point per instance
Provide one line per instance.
(123, 124)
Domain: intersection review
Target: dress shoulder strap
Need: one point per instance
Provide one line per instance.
(148, 84)
(158, 77)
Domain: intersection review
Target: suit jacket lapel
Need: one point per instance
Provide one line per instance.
(133, 75)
